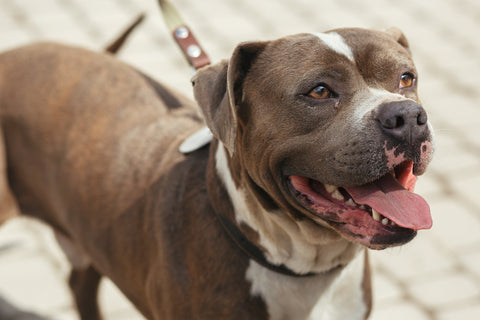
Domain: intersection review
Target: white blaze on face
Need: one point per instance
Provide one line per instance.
(368, 100)
(335, 42)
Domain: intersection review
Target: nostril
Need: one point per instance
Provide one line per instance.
(393, 122)
(422, 118)
(400, 122)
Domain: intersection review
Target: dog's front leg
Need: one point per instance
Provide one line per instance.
(84, 285)
(84, 279)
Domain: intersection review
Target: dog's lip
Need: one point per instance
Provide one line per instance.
(381, 240)
(359, 223)
(354, 223)
(327, 201)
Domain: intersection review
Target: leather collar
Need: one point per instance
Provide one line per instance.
(252, 251)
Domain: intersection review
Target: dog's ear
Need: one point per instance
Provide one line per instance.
(398, 36)
(218, 90)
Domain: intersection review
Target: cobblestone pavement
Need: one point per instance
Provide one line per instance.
(437, 276)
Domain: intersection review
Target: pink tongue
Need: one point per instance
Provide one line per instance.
(393, 201)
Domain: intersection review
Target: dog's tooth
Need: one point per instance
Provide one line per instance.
(375, 215)
(393, 223)
(337, 195)
(351, 203)
(334, 192)
(330, 188)
(363, 207)
(385, 221)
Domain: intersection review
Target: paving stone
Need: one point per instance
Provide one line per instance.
(413, 261)
(467, 312)
(449, 289)
(114, 303)
(62, 28)
(471, 259)
(37, 7)
(36, 288)
(399, 311)
(14, 38)
(450, 154)
(429, 189)
(6, 21)
(468, 188)
(457, 225)
(385, 290)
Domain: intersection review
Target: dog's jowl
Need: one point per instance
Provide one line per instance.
(318, 140)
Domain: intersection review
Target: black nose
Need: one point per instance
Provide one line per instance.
(403, 120)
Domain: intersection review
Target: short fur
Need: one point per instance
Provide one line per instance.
(90, 146)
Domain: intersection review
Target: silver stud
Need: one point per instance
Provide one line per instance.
(182, 33)
(194, 51)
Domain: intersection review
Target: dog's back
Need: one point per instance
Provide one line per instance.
(85, 137)
(83, 108)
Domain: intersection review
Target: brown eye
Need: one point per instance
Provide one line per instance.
(320, 92)
(406, 80)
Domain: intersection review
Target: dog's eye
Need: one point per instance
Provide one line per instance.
(406, 80)
(321, 92)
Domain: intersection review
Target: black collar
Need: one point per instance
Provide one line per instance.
(252, 250)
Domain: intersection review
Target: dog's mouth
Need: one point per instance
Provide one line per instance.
(378, 214)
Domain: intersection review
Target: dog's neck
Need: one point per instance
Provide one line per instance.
(302, 246)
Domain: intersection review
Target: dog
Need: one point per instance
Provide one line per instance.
(316, 142)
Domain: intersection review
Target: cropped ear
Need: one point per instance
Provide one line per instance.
(398, 36)
(218, 90)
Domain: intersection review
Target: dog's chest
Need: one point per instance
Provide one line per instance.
(334, 296)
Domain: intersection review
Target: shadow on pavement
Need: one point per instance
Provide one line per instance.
(10, 312)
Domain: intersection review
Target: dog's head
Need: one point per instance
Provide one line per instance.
(327, 126)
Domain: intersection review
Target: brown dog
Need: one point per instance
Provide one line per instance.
(317, 142)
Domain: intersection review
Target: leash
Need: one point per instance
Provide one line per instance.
(183, 35)
(197, 58)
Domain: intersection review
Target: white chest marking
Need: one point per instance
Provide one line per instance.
(301, 247)
(344, 299)
(333, 296)
(335, 42)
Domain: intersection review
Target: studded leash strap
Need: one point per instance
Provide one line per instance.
(183, 36)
